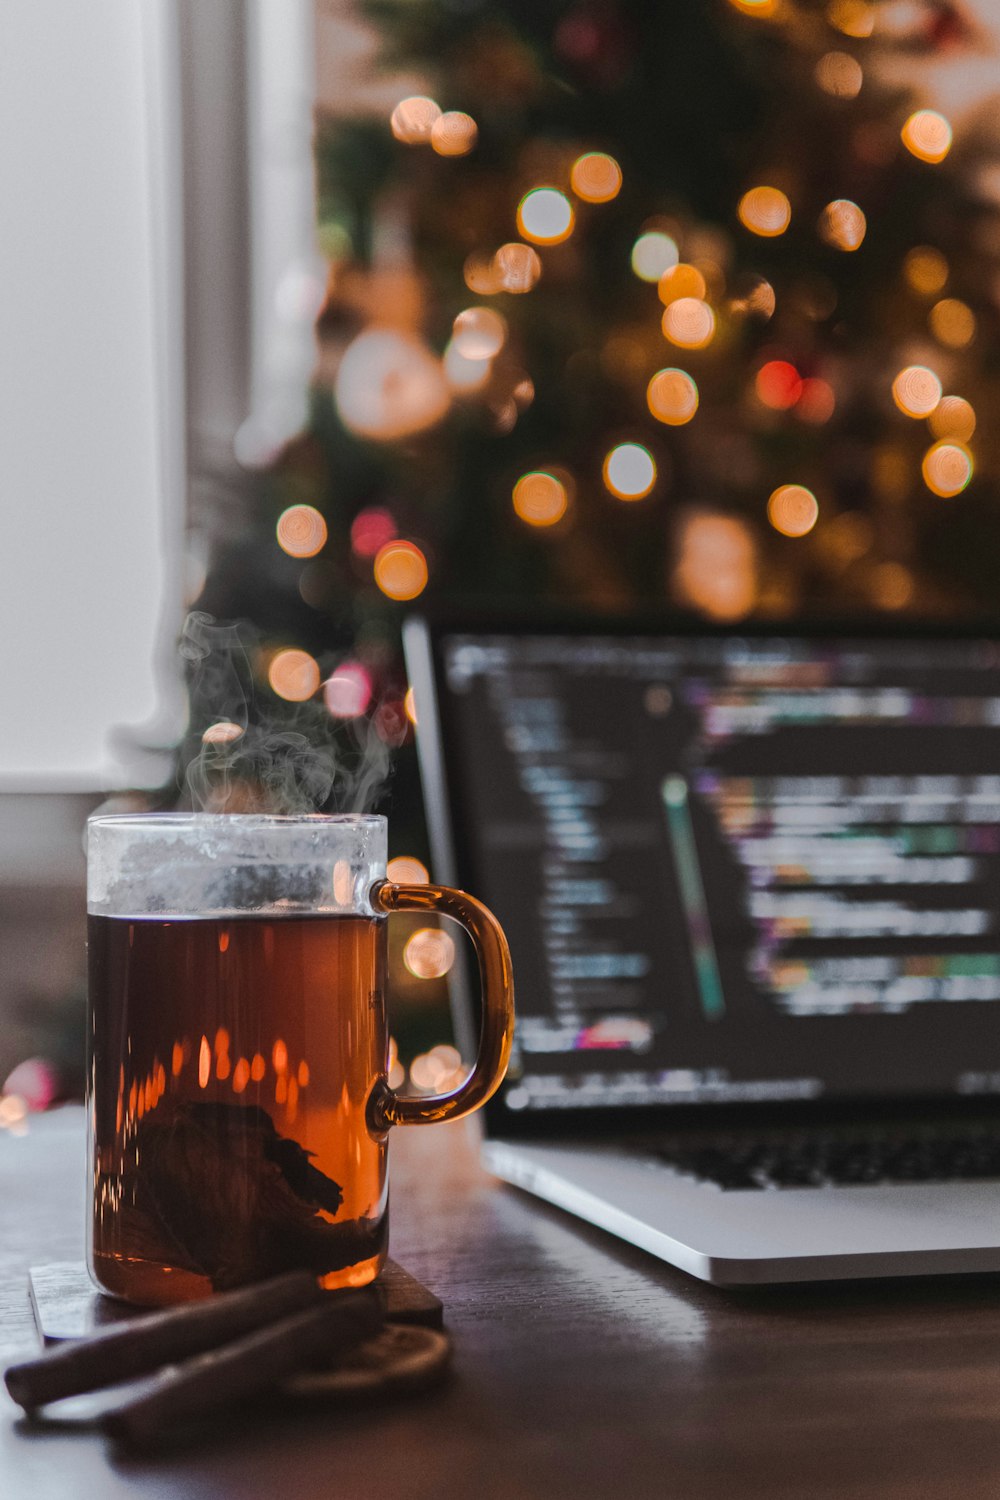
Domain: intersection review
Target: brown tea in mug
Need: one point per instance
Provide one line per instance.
(231, 1063)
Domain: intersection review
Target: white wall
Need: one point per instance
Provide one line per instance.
(91, 455)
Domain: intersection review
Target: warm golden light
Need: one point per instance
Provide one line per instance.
(947, 468)
(258, 1067)
(840, 74)
(302, 1074)
(439, 1069)
(916, 391)
(952, 322)
(792, 510)
(517, 267)
(595, 177)
(222, 1066)
(401, 570)
(540, 499)
(759, 8)
(301, 531)
(454, 134)
(479, 333)
(927, 135)
(429, 953)
(853, 17)
(413, 119)
(759, 300)
(953, 417)
(293, 675)
(652, 254)
(843, 225)
(672, 397)
(681, 281)
(176, 1059)
(222, 733)
(204, 1063)
(689, 323)
(241, 1076)
(545, 215)
(480, 275)
(279, 1056)
(716, 565)
(406, 870)
(892, 585)
(765, 211)
(926, 270)
(629, 471)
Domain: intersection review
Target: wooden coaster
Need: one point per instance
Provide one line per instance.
(67, 1305)
(404, 1357)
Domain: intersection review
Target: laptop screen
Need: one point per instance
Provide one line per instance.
(755, 867)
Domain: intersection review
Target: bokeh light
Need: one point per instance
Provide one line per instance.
(843, 225)
(757, 299)
(672, 397)
(389, 386)
(916, 390)
(596, 177)
(953, 417)
(778, 384)
(370, 530)
(681, 281)
(953, 323)
(301, 531)
(479, 333)
(925, 269)
(817, 402)
(410, 706)
(927, 135)
(792, 510)
(689, 323)
(765, 211)
(652, 254)
(545, 215)
(293, 675)
(454, 134)
(465, 376)
(405, 869)
(716, 565)
(429, 953)
(401, 570)
(348, 691)
(413, 119)
(438, 1070)
(839, 74)
(480, 275)
(853, 17)
(947, 468)
(892, 585)
(629, 471)
(517, 267)
(222, 733)
(540, 498)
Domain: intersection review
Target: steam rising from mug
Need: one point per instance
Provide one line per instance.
(248, 760)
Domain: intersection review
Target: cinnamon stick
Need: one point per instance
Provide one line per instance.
(146, 1343)
(248, 1365)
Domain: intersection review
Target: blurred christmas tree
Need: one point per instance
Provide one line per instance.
(634, 304)
(637, 304)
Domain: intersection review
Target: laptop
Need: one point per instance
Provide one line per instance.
(751, 883)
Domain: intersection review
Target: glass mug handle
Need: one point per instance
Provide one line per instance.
(496, 1033)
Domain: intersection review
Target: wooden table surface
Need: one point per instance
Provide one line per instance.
(582, 1367)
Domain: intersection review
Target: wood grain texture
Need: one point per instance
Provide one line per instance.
(581, 1367)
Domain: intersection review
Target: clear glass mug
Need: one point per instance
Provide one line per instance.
(237, 1092)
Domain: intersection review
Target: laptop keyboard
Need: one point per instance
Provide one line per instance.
(805, 1161)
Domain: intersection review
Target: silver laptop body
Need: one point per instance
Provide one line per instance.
(751, 882)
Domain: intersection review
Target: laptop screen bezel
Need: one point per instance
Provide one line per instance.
(424, 635)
